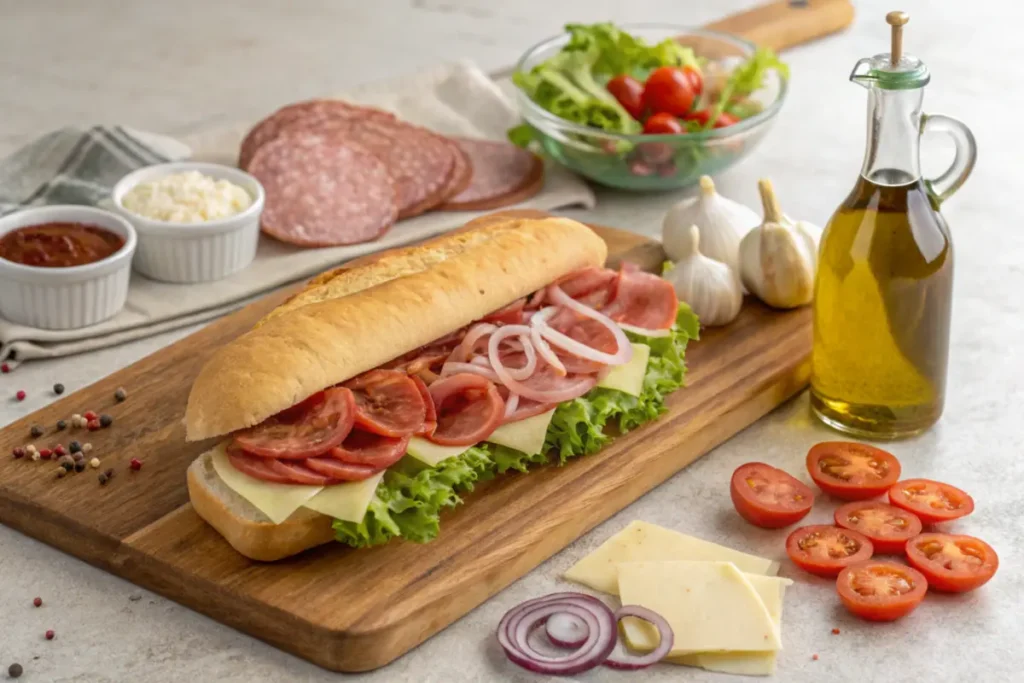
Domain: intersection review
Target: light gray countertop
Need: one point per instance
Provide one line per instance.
(176, 67)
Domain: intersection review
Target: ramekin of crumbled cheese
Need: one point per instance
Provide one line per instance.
(196, 222)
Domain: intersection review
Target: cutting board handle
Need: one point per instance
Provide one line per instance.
(786, 23)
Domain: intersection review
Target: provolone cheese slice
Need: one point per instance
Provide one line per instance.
(276, 501)
(771, 590)
(629, 378)
(346, 501)
(711, 606)
(430, 453)
(525, 435)
(641, 541)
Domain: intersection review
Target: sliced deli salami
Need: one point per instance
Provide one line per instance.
(503, 174)
(323, 191)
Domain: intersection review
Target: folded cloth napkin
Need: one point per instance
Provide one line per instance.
(457, 99)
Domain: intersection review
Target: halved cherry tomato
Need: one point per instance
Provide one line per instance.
(663, 123)
(888, 527)
(701, 116)
(696, 78)
(826, 550)
(630, 94)
(852, 471)
(768, 497)
(953, 563)
(932, 501)
(388, 403)
(296, 435)
(881, 591)
(668, 89)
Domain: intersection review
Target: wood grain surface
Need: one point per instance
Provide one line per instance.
(141, 526)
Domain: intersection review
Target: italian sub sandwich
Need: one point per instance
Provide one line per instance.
(366, 404)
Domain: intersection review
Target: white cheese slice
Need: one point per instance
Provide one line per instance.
(346, 501)
(431, 453)
(525, 435)
(276, 501)
(629, 378)
(711, 606)
(641, 541)
(771, 590)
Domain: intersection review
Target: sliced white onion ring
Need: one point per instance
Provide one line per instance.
(621, 356)
(453, 368)
(511, 403)
(464, 350)
(544, 349)
(625, 349)
(515, 386)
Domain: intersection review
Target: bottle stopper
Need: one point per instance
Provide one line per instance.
(897, 20)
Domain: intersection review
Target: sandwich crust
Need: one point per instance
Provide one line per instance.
(365, 316)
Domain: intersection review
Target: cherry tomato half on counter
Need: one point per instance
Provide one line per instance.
(888, 527)
(769, 498)
(827, 550)
(932, 501)
(952, 563)
(630, 94)
(880, 591)
(670, 90)
(852, 471)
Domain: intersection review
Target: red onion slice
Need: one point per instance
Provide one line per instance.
(464, 350)
(644, 332)
(544, 349)
(507, 378)
(511, 403)
(630, 661)
(452, 368)
(516, 625)
(624, 350)
(565, 630)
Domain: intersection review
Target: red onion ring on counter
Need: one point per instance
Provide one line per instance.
(628, 660)
(566, 631)
(517, 624)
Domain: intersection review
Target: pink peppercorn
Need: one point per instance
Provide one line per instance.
(92, 425)
(89, 415)
(135, 464)
(59, 450)
(5, 368)
(45, 453)
(38, 602)
(20, 395)
(50, 634)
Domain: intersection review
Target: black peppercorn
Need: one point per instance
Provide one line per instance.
(120, 395)
(74, 446)
(58, 388)
(80, 465)
(110, 473)
(15, 670)
(106, 420)
(61, 425)
(36, 431)
(78, 456)
(103, 479)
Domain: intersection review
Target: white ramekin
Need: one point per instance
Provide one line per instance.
(194, 252)
(66, 298)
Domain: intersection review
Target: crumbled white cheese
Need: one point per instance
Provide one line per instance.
(189, 197)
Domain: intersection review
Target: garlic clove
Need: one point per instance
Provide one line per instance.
(721, 223)
(710, 287)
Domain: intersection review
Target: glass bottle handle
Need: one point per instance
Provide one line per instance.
(943, 187)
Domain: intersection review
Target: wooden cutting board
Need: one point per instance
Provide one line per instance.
(141, 526)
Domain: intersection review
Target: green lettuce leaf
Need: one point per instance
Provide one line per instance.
(746, 79)
(409, 499)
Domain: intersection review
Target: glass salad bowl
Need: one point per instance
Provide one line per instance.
(655, 162)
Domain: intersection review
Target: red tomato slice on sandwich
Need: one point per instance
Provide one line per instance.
(295, 434)
(388, 403)
(469, 408)
(370, 450)
(430, 418)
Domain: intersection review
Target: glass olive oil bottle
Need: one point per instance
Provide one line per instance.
(883, 291)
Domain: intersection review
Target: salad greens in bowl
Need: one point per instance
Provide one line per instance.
(646, 106)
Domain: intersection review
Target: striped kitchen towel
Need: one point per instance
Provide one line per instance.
(79, 165)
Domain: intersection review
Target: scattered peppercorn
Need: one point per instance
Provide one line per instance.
(35, 457)
(14, 670)
(50, 634)
(74, 447)
(45, 453)
(110, 473)
(106, 420)
(66, 460)
(18, 452)
(814, 657)
(78, 456)
(89, 415)
(120, 395)
(86, 447)
(61, 472)
(59, 450)
(94, 463)
(5, 368)
(30, 449)
(58, 388)
(61, 425)
(36, 431)
(103, 479)
(835, 632)
(20, 395)
(38, 602)
(80, 465)
(75, 419)
(135, 464)
(92, 425)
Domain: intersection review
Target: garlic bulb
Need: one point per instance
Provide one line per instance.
(710, 287)
(778, 260)
(722, 224)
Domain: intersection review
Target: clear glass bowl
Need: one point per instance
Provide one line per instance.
(652, 162)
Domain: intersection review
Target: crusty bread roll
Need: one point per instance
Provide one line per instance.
(368, 315)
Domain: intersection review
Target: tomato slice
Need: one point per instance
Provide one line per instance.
(852, 471)
(371, 450)
(668, 89)
(298, 473)
(509, 315)
(951, 562)
(888, 527)
(469, 408)
(881, 591)
(254, 466)
(388, 403)
(825, 550)
(769, 498)
(430, 417)
(932, 501)
(299, 434)
(527, 408)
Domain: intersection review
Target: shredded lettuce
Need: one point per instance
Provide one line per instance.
(410, 498)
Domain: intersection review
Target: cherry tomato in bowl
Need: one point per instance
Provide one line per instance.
(932, 501)
(663, 124)
(696, 79)
(888, 527)
(769, 498)
(701, 116)
(826, 550)
(668, 89)
(852, 471)
(952, 563)
(630, 94)
(881, 591)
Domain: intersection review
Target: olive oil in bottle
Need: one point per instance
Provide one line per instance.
(883, 292)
